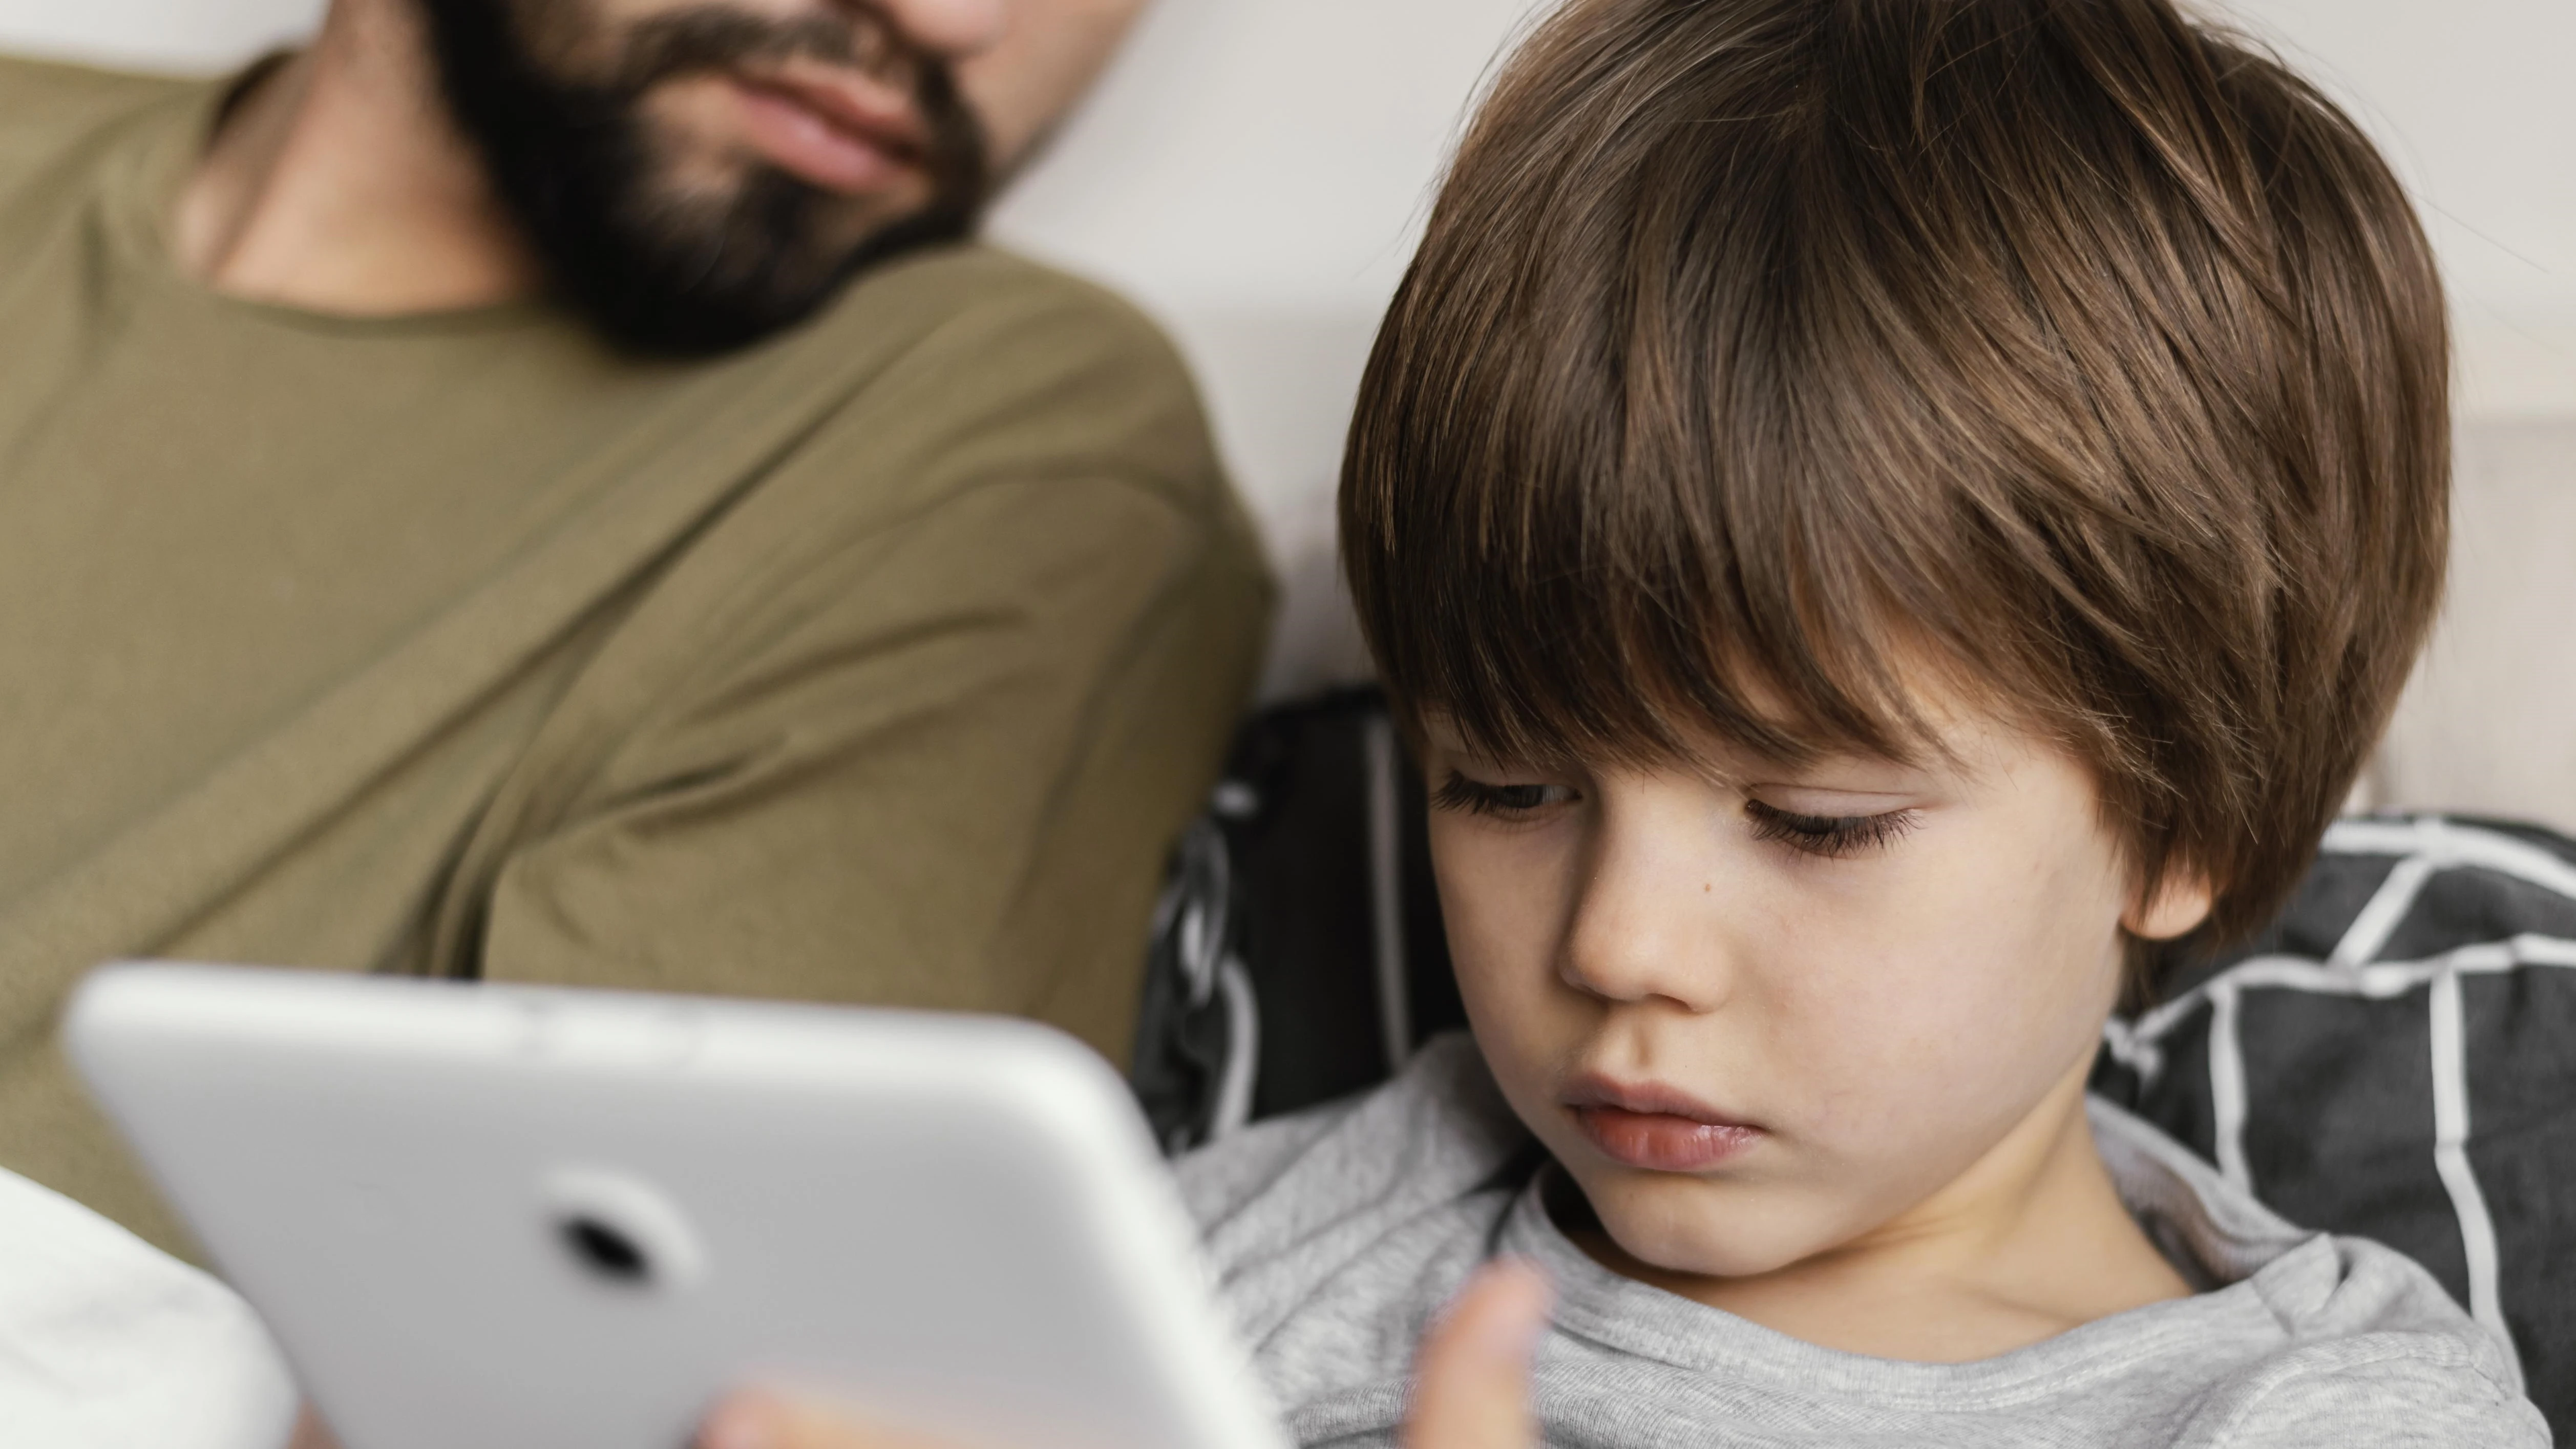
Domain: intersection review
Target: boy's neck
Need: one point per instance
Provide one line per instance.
(2031, 1241)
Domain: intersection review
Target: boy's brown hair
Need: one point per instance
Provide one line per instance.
(1762, 351)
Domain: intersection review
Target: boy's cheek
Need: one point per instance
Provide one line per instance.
(1505, 905)
(1528, 1025)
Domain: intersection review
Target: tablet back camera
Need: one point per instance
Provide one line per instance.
(620, 1231)
(608, 1255)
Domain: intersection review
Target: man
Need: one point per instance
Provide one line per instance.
(540, 489)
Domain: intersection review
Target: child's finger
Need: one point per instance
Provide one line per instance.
(766, 1421)
(1471, 1383)
(311, 1433)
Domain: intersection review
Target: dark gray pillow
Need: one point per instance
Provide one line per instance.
(1297, 952)
(2396, 1059)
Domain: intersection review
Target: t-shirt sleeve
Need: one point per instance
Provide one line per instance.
(2388, 1395)
(1224, 1177)
(951, 686)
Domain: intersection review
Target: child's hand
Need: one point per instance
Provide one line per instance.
(765, 1421)
(310, 1432)
(1471, 1383)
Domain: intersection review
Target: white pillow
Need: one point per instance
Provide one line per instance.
(108, 1343)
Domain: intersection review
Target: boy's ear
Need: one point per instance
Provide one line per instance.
(2180, 903)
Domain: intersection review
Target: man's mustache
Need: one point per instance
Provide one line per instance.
(719, 37)
(714, 38)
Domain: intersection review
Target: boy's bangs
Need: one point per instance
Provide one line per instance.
(1643, 613)
(1597, 688)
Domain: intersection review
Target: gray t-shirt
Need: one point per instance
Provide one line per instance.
(1339, 1233)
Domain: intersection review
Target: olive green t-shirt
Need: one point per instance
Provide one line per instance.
(880, 662)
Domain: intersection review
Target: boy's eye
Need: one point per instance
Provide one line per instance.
(1475, 797)
(1831, 836)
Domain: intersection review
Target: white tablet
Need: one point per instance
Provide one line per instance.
(525, 1218)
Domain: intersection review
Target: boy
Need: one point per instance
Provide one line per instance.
(1886, 519)
(1883, 517)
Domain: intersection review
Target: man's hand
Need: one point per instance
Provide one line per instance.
(1470, 1390)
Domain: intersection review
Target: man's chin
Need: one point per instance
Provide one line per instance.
(681, 252)
(661, 314)
(655, 296)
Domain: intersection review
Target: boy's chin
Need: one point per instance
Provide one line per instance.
(1695, 1227)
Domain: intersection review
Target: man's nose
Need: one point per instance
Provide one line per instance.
(950, 28)
(1644, 928)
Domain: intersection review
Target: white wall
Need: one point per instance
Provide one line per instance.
(1255, 172)
(159, 34)
(2490, 724)
(2471, 100)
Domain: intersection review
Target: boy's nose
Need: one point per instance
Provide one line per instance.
(1643, 925)
(950, 28)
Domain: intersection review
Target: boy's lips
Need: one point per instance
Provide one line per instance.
(1655, 1127)
(838, 130)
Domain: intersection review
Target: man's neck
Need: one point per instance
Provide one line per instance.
(339, 184)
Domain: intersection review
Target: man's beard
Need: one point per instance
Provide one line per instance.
(653, 268)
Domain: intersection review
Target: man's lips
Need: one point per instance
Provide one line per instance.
(838, 131)
(1655, 1127)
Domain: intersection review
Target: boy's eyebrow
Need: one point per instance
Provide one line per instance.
(1755, 768)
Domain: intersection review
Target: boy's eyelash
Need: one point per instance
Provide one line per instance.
(1475, 797)
(1831, 836)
